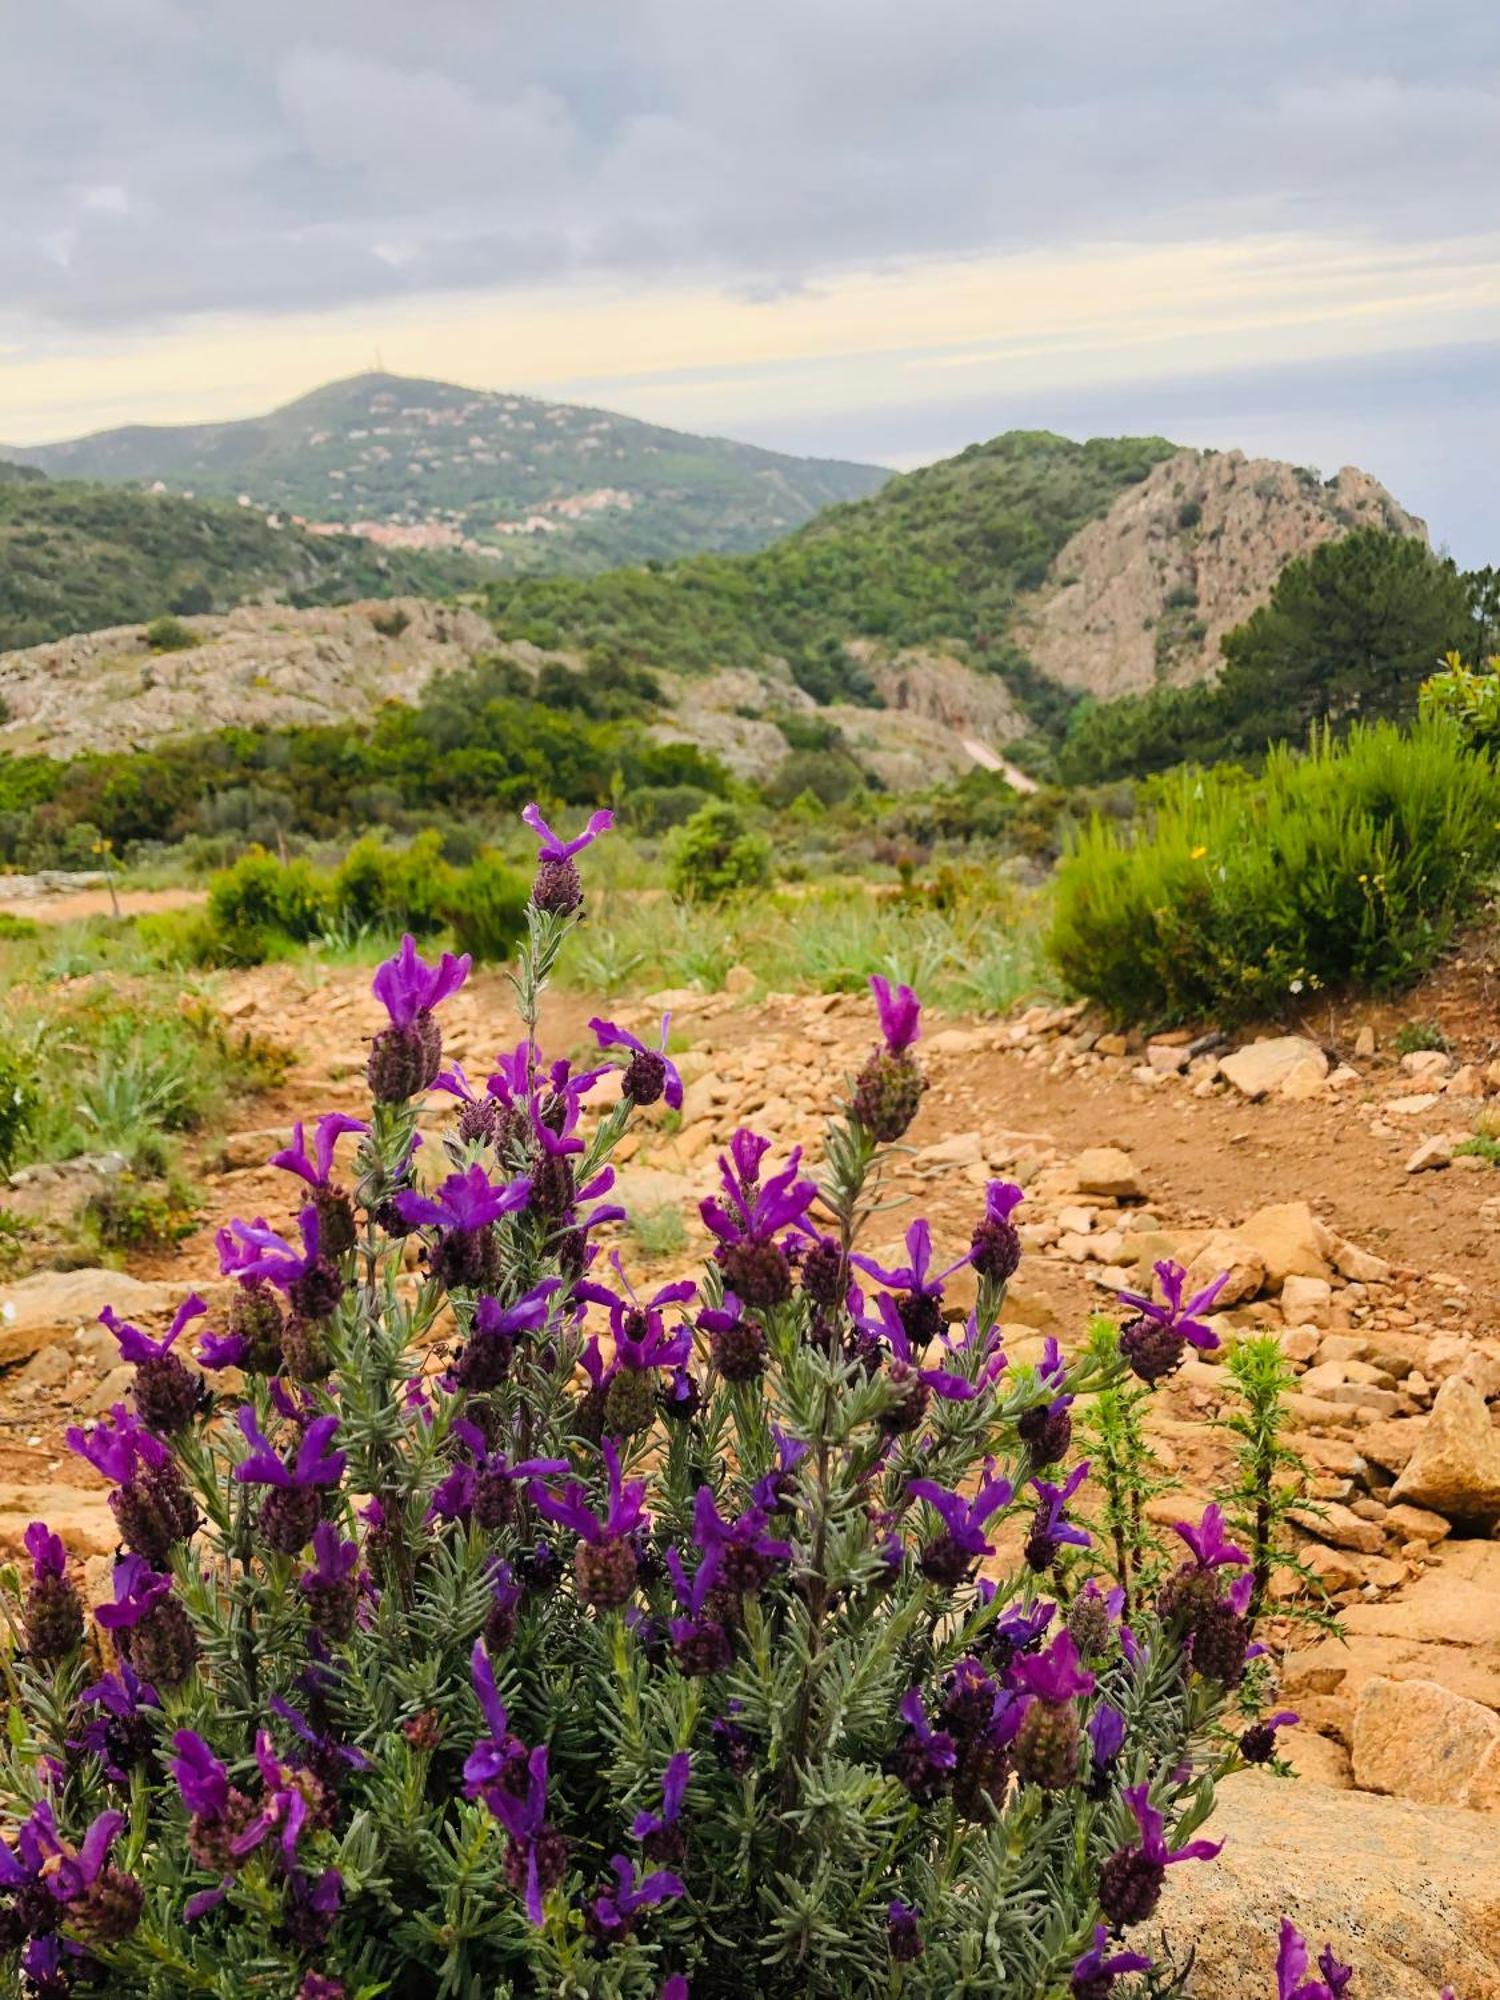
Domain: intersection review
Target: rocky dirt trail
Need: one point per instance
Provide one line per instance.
(1317, 1169)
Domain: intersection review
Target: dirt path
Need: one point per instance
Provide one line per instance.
(76, 904)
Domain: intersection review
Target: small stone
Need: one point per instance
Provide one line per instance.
(1416, 1524)
(1289, 1238)
(1112, 1045)
(1306, 1301)
(1364, 1042)
(1109, 1171)
(1415, 1106)
(1304, 1081)
(1431, 1154)
(1426, 1062)
(1261, 1067)
(1466, 1081)
(740, 980)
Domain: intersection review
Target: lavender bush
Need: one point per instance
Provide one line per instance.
(483, 1627)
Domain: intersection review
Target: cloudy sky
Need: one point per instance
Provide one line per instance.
(866, 227)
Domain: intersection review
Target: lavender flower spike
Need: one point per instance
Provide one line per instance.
(650, 1074)
(551, 847)
(316, 1168)
(201, 1778)
(136, 1346)
(1154, 1340)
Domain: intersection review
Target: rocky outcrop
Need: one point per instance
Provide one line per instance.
(1144, 594)
(1406, 1893)
(261, 666)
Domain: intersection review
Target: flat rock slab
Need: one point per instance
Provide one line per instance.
(1261, 1067)
(52, 1305)
(1408, 1894)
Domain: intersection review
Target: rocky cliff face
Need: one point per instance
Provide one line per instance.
(260, 666)
(1144, 594)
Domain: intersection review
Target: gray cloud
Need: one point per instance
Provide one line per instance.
(167, 157)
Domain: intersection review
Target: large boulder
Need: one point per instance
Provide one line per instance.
(1420, 1741)
(1455, 1468)
(1261, 1067)
(1408, 1894)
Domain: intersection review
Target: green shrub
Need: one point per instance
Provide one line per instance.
(1468, 697)
(715, 854)
(379, 888)
(1413, 1036)
(129, 1213)
(170, 635)
(486, 906)
(17, 1103)
(260, 898)
(1347, 863)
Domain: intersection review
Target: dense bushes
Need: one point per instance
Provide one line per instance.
(1348, 863)
(261, 904)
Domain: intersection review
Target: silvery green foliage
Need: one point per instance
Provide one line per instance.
(498, 1631)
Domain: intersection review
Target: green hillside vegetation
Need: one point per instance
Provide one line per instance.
(1351, 630)
(75, 557)
(939, 555)
(389, 448)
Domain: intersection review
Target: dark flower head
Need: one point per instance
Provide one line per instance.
(406, 987)
(900, 1014)
(650, 1074)
(121, 1734)
(1106, 1735)
(903, 1937)
(1258, 1742)
(737, 1555)
(316, 1169)
(925, 1757)
(886, 1324)
(136, 1346)
(1051, 1530)
(253, 1250)
(754, 1212)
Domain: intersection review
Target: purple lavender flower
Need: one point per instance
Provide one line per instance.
(293, 1507)
(1051, 1530)
(1153, 1342)
(650, 1074)
(888, 1090)
(407, 987)
(310, 1280)
(949, 1558)
(772, 1493)
(53, 1615)
(1292, 1960)
(483, 1485)
(122, 1735)
(925, 1758)
(902, 1935)
(1056, 1675)
(1095, 1973)
(1258, 1742)
(738, 1555)
(700, 1641)
(755, 1266)
(150, 1626)
(497, 1758)
(995, 1248)
(1211, 1550)
(660, 1834)
(104, 1904)
(611, 1915)
(900, 1014)
(536, 1854)
(921, 1287)
(1130, 1882)
(604, 1564)
(331, 1586)
(151, 1504)
(1047, 1740)
(201, 1779)
(557, 890)
(167, 1394)
(317, 1168)
(405, 1057)
(469, 1201)
(485, 1360)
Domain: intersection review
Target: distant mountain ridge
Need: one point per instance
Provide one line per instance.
(430, 465)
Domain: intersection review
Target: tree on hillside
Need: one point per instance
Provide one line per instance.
(1352, 629)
